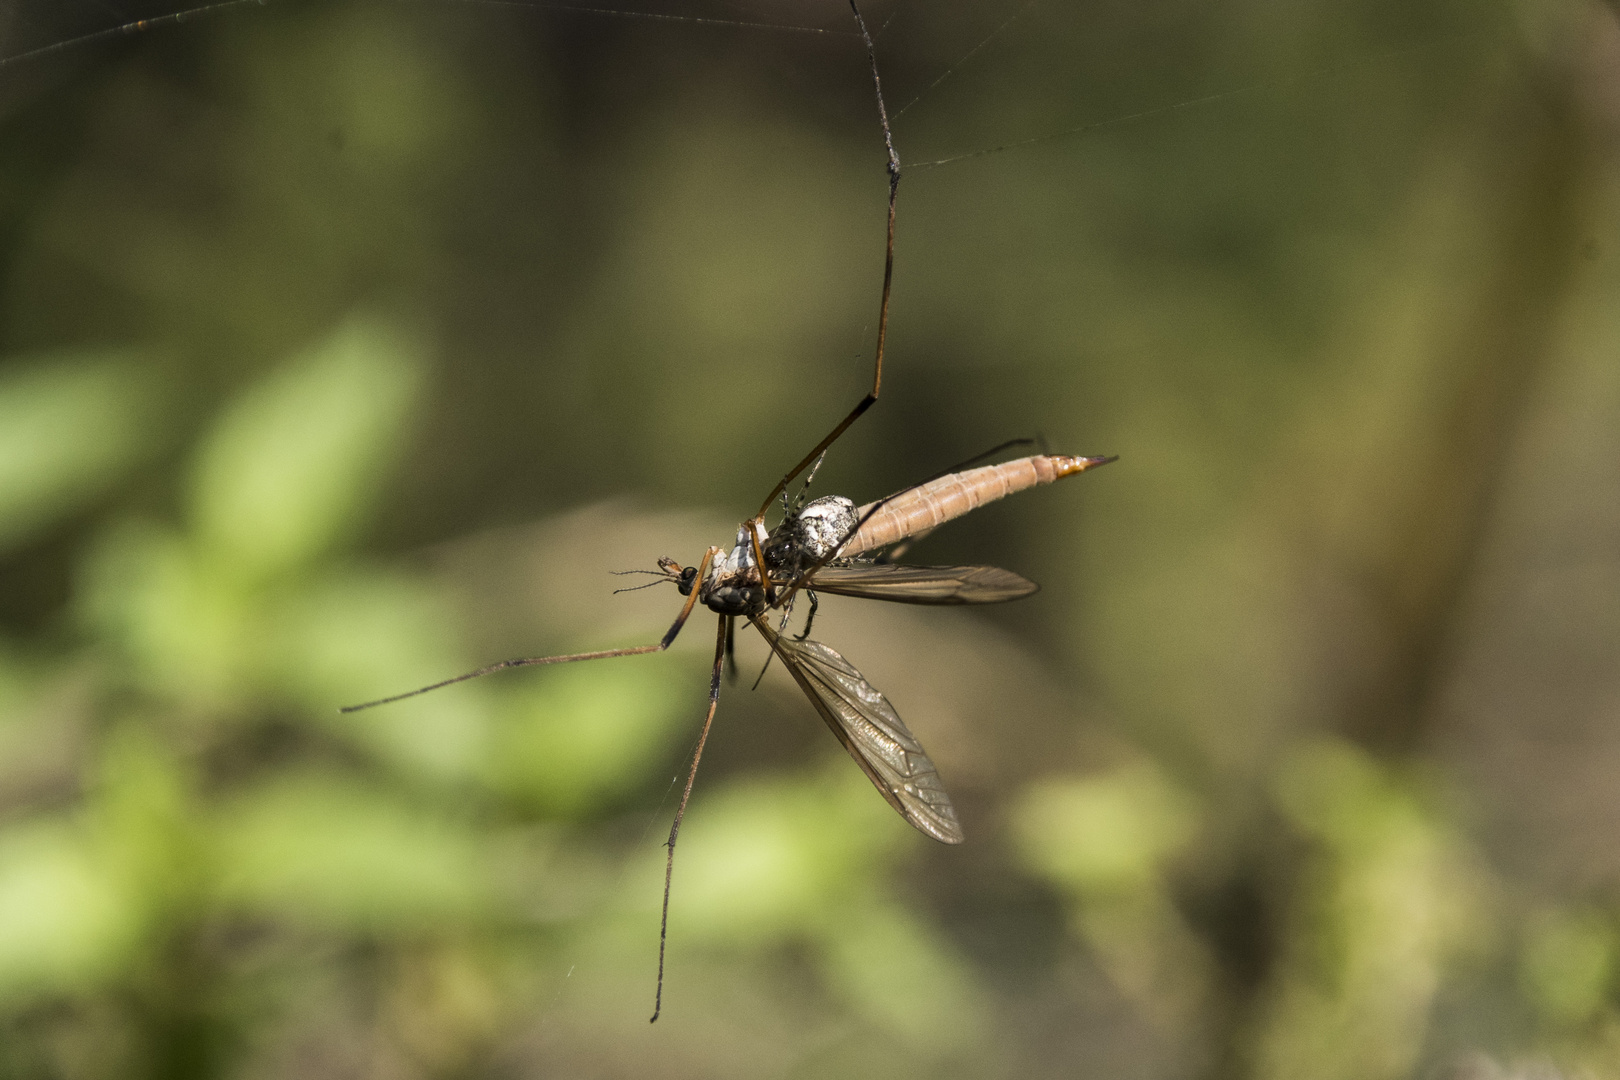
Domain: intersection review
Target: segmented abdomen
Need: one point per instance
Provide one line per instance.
(938, 501)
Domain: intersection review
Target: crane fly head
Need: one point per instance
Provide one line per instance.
(684, 577)
(668, 570)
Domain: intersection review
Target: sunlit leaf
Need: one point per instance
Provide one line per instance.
(294, 464)
(577, 735)
(1106, 841)
(68, 427)
(64, 919)
(1568, 965)
(182, 627)
(333, 852)
(353, 635)
(900, 975)
(771, 858)
(1104, 833)
(1393, 896)
(146, 822)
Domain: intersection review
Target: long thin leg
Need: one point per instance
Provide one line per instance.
(659, 646)
(781, 628)
(810, 619)
(788, 507)
(680, 811)
(731, 650)
(888, 278)
(761, 565)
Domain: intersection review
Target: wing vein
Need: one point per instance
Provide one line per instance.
(868, 727)
(923, 584)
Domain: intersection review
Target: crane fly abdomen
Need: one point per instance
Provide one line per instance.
(932, 504)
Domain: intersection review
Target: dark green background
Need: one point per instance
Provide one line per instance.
(346, 346)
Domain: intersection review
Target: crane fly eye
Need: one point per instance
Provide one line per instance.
(687, 579)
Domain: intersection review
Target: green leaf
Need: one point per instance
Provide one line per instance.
(64, 918)
(294, 464)
(186, 633)
(900, 975)
(579, 735)
(332, 852)
(356, 635)
(767, 859)
(1568, 964)
(67, 429)
(1104, 834)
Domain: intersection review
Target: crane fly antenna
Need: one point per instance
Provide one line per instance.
(638, 588)
(530, 661)
(680, 811)
(888, 279)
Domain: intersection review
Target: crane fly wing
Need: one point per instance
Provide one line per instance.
(923, 584)
(873, 733)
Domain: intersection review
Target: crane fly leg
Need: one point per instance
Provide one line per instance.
(765, 581)
(531, 661)
(888, 279)
(810, 619)
(680, 811)
(731, 650)
(787, 613)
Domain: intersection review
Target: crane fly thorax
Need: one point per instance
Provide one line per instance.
(733, 585)
(803, 539)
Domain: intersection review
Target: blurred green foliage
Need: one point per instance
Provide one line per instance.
(70, 427)
(349, 346)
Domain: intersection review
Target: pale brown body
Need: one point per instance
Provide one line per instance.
(930, 505)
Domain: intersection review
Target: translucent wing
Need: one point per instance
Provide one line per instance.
(923, 584)
(872, 732)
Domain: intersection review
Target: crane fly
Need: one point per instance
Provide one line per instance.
(828, 545)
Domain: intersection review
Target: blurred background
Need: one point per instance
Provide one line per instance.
(345, 346)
